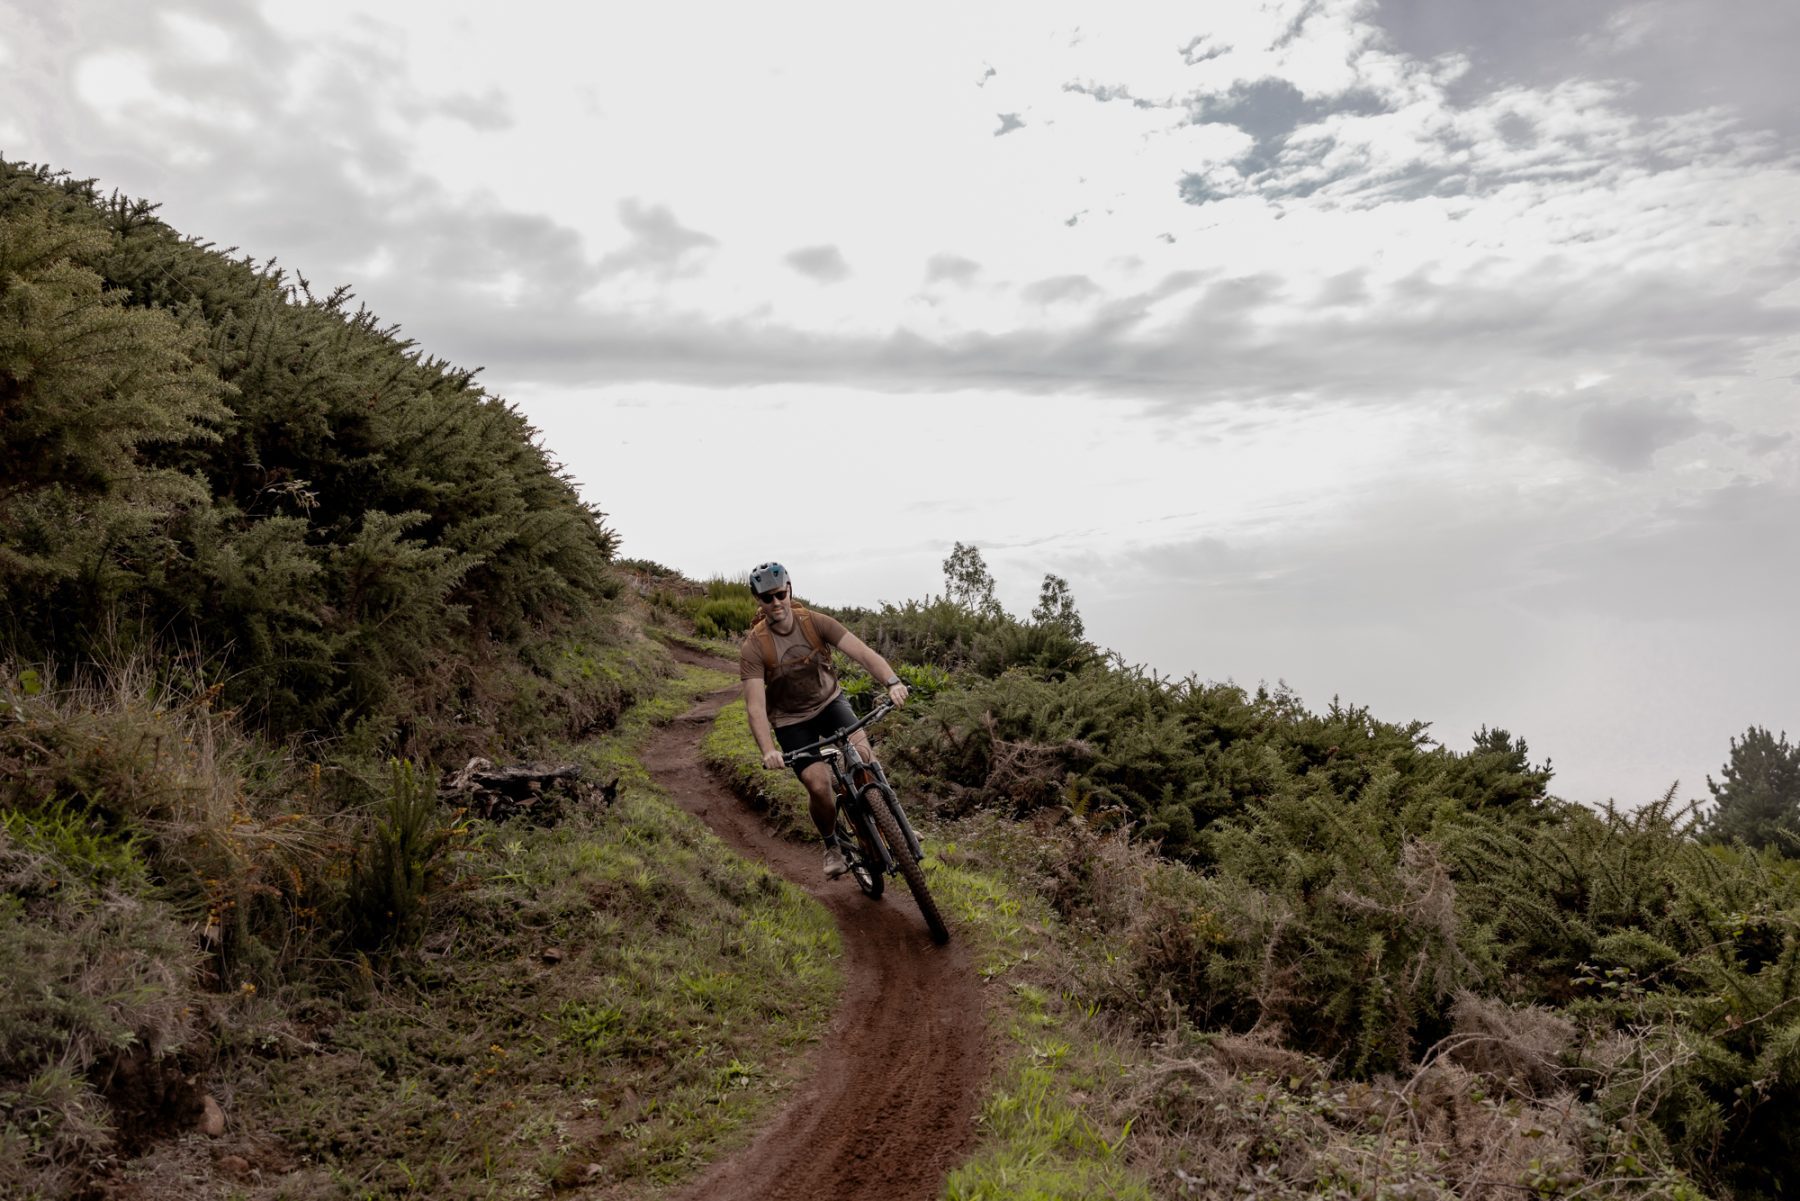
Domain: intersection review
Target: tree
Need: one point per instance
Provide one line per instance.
(1758, 798)
(1497, 773)
(1056, 606)
(967, 582)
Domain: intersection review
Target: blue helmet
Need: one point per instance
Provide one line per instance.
(767, 577)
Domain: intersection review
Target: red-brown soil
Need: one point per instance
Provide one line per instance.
(888, 1102)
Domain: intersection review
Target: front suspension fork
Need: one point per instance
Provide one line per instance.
(892, 800)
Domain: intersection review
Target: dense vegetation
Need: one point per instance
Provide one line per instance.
(352, 536)
(1349, 891)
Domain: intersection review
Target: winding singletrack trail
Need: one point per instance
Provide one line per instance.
(888, 1105)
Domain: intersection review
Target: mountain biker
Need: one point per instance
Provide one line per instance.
(791, 692)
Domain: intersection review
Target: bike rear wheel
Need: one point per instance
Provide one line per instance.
(910, 868)
(856, 838)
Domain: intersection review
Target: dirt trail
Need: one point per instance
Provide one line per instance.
(888, 1105)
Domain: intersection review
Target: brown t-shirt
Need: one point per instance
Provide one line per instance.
(801, 681)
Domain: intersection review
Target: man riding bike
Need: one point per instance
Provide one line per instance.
(792, 696)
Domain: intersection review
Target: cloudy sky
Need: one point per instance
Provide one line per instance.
(1437, 354)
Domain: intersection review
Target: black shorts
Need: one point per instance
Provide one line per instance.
(833, 717)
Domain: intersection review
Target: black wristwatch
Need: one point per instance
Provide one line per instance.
(890, 683)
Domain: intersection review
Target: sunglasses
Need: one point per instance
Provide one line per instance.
(780, 594)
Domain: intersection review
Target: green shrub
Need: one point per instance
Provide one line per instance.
(923, 681)
(1338, 923)
(1175, 756)
(722, 617)
(401, 863)
(720, 588)
(1681, 961)
(340, 520)
(954, 637)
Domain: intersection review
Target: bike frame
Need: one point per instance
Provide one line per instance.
(845, 760)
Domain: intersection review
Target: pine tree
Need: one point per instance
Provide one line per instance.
(1758, 799)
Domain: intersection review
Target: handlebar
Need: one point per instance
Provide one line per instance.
(874, 715)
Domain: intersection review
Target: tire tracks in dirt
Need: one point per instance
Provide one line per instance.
(887, 1105)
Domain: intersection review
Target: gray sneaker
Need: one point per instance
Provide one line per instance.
(834, 863)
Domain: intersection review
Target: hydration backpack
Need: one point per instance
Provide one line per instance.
(762, 633)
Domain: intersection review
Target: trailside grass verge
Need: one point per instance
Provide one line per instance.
(1056, 1125)
(730, 751)
(604, 1003)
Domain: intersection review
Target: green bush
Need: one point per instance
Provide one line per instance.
(1336, 920)
(1681, 960)
(954, 637)
(923, 681)
(722, 617)
(1174, 756)
(341, 520)
(401, 862)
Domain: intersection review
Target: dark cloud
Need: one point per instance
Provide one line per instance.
(659, 243)
(1672, 55)
(1650, 64)
(305, 169)
(1626, 435)
(1270, 110)
(1345, 288)
(313, 179)
(1008, 123)
(1427, 339)
(1202, 49)
(823, 263)
(952, 268)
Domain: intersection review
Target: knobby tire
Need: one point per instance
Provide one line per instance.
(909, 867)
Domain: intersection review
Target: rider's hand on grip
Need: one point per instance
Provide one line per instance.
(773, 760)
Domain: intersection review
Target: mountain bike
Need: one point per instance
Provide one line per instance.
(872, 830)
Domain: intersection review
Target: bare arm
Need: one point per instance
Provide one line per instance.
(875, 665)
(756, 709)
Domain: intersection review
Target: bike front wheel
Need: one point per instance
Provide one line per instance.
(910, 868)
